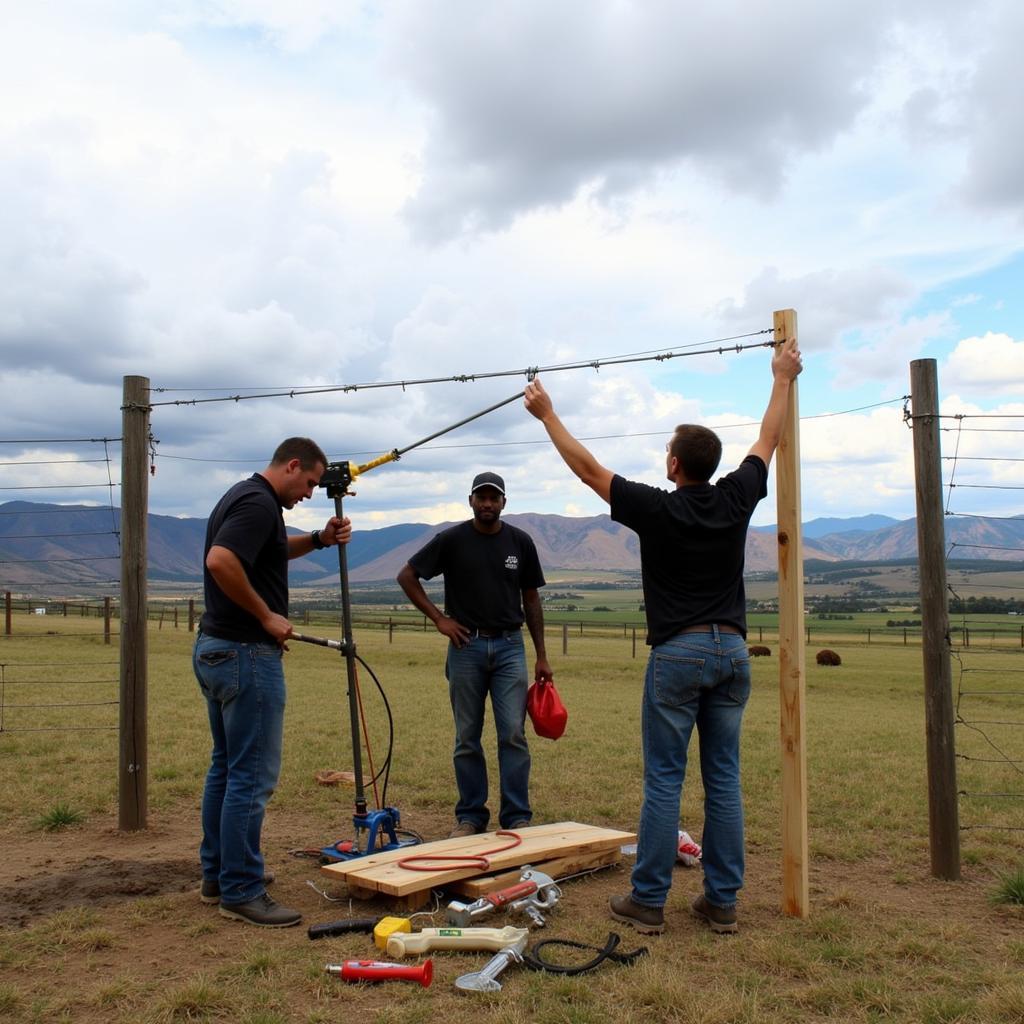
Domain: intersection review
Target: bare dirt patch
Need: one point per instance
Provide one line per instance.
(149, 942)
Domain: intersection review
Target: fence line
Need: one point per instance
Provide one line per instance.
(988, 691)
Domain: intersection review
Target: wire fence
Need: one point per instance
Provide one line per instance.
(68, 548)
(988, 679)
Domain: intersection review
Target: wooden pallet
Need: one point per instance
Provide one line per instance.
(380, 874)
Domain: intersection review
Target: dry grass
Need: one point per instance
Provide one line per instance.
(883, 942)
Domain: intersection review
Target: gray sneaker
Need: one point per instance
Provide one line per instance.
(645, 920)
(262, 911)
(209, 891)
(721, 920)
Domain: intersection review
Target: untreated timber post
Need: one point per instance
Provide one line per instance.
(795, 881)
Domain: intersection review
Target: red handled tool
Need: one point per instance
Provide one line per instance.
(377, 970)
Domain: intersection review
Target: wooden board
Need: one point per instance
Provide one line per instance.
(381, 872)
(557, 868)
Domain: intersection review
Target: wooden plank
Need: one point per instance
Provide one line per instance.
(795, 877)
(557, 868)
(382, 873)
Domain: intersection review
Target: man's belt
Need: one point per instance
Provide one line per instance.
(493, 634)
(709, 629)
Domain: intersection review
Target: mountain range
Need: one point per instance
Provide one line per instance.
(55, 544)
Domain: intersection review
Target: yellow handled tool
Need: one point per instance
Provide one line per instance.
(412, 943)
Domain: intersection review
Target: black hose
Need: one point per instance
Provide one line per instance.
(535, 961)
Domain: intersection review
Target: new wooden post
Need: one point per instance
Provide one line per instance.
(132, 776)
(795, 885)
(943, 811)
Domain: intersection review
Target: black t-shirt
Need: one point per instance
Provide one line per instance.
(484, 573)
(248, 522)
(691, 547)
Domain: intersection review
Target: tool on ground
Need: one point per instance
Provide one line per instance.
(375, 830)
(536, 962)
(352, 924)
(432, 939)
(534, 893)
(487, 979)
(387, 926)
(377, 970)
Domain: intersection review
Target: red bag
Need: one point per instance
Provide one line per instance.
(547, 712)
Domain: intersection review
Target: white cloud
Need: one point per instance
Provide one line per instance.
(992, 364)
(219, 194)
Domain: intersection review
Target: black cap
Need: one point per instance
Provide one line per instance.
(487, 480)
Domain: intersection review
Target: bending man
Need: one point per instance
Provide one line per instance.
(238, 662)
(692, 542)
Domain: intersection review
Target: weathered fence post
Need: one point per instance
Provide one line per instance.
(943, 811)
(634, 642)
(565, 637)
(7, 613)
(132, 774)
(191, 615)
(106, 620)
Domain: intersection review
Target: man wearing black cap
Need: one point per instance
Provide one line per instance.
(491, 575)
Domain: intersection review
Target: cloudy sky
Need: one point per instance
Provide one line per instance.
(243, 196)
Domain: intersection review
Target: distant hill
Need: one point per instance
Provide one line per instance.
(55, 544)
(815, 528)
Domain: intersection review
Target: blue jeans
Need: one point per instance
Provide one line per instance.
(495, 666)
(245, 696)
(700, 679)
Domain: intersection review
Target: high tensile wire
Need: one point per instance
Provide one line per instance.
(713, 348)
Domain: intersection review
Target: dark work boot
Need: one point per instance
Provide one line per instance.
(209, 891)
(262, 911)
(645, 920)
(721, 920)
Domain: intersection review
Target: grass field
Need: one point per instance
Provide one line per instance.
(883, 941)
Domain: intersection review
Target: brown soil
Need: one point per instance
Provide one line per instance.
(171, 941)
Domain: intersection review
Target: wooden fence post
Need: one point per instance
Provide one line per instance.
(943, 810)
(795, 874)
(106, 620)
(191, 615)
(565, 637)
(7, 613)
(132, 773)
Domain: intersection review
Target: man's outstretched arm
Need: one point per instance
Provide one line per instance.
(786, 367)
(575, 456)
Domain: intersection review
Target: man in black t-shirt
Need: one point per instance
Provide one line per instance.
(237, 660)
(691, 559)
(491, 576)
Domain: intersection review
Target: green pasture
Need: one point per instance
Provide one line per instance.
(942, 954)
